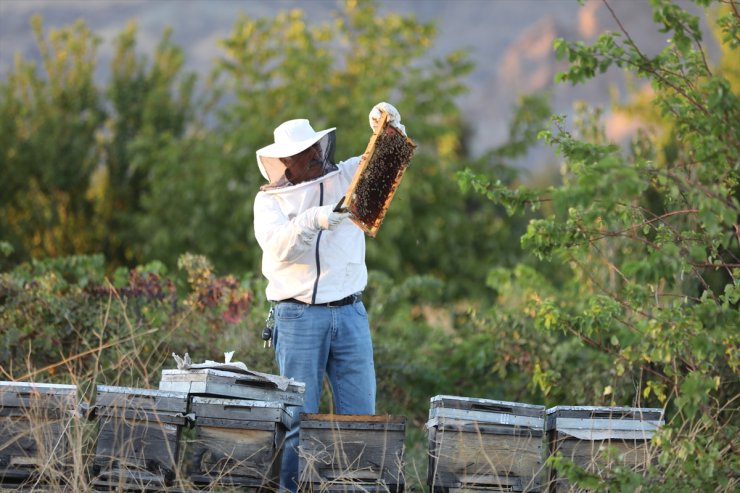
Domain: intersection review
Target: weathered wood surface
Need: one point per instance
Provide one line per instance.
(209, 382)
(490, 408)
(235, 455)
(345, 450)
(461, 457)
(139, 435)
(134, 449)
(237, 442)
(484, 444)
(34, 419)
(600, 438)
(239, 410)
(351, 487)
(131, 398)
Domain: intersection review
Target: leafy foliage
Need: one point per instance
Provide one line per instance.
(651, 238)
(61, 317)
(622, 289)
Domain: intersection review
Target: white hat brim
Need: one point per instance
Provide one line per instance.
(280, 150)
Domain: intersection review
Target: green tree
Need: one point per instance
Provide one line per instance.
(48, 131)
(281, 68)
(70, 159)
(650, 237)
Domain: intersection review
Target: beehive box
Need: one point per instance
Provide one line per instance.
(598, 438)
(351, 453)
(484, 445)
(138, 439)
(34, 420)
(374, 184)
(209, 382)
(237, 442)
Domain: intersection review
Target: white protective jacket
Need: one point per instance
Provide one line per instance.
(300, 262)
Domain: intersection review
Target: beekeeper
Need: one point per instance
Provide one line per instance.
(314, 262)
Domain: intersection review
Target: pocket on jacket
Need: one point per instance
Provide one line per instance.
(351, 274)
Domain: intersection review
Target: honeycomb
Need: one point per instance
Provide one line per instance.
(384, 162)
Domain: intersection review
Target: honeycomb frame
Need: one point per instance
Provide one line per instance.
(376, 180)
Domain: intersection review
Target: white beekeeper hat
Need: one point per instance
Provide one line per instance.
(291, 138)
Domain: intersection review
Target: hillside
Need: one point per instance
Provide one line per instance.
(509, 40)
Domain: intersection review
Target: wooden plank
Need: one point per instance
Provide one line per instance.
(605, 418)
(352, 487)
(235, 423)
(37, 388)
(486, 406)
(453, 425)
(140, 416)
(239, 410)
(465, 415)
(230, 377)
(144, 399)
(213, 389)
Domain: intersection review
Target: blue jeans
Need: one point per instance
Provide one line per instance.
(311, 341)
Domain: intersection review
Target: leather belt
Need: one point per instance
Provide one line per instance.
(344, 301)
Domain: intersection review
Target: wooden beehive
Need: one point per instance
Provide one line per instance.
(351, 453)
(138, 438)
(383, 164)
(484, 445)
(209, 382)
(237, 442)
(34, 420)
(599, 438)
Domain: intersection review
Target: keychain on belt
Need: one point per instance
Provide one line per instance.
(269, 326)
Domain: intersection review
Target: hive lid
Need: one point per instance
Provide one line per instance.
(233, 410)
(353, 422)
(143, 399)
(38, 388)
(25, 395)
(219, 383)
(488, 411)
(599, 423)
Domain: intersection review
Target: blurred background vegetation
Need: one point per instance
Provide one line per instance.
(126, 213)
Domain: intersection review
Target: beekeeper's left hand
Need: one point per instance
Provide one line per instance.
(394, 116)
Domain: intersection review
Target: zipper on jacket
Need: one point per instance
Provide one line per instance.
(318, 239)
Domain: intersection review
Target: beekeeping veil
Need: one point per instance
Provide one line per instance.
(291, 138)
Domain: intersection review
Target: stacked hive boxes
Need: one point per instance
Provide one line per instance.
(236, 442)
(348, 453)
(240, 420)
(138, 440)
(484, 445)
(35, 422)
(599, 438)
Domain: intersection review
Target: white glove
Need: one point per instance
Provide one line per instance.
(324, 217)
(394, 116)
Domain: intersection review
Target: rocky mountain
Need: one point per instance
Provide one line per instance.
(509, 40)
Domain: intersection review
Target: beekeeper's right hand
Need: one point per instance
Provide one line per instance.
(324, 217)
